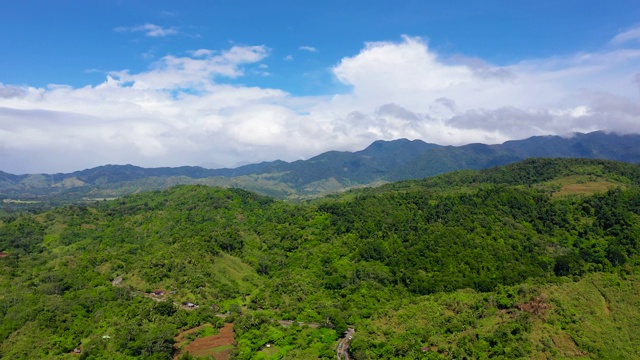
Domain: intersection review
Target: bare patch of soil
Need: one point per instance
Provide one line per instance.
(538, 306)
(219, 346)
(180, 339)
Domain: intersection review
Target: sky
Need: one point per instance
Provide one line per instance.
(222, 83)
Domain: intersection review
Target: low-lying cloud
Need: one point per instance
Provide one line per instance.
(183, 111)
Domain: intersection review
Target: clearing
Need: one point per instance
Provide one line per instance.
(219, 345)
(581, 185)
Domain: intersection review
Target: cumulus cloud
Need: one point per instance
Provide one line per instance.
(466, 98)
(201, 53)
(10, 91)
(183, 111)
(195, 72)
(150, 30)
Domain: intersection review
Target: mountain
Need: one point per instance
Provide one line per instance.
(9, 180)
(537, 259)
(382, 161)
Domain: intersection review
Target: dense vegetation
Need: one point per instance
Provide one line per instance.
(475, 264)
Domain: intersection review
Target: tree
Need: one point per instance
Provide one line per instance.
(570, 264)
(165, 308)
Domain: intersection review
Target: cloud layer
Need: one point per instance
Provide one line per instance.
(183, 111)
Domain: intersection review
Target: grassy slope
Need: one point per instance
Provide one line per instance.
(593, 318)
(598, 316)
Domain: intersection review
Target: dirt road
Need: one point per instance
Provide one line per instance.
(342, 352)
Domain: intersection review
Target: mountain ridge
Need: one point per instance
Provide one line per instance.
(381, 161)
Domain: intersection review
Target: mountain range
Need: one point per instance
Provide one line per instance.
(380, 162)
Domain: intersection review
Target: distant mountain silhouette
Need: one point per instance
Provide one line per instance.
(382, 161)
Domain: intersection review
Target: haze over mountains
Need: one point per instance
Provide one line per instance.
(382, 161)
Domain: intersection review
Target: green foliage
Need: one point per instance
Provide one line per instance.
(455, 325)
(255, 331)
(457, 248)
(595, 317)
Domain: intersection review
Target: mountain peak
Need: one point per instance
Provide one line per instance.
(385, 146)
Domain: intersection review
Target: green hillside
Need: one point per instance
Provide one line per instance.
(594, 317)
(532, 260)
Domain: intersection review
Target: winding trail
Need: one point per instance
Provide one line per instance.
(342, 352)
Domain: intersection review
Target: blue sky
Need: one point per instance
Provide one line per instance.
(221, 83)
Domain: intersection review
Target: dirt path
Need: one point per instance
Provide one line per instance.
(342, 352)
(219, 346)
(180, 339)
(287, 323)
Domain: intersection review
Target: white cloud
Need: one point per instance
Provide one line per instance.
(166, 13)
(288, 58)
(7, 92)
(180, 112)
(519, 100)
(201, 53)
(632, 34)
(308, 48)
(151, 30)
(172, 72)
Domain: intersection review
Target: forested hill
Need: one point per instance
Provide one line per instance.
(382, 161)
(572, 175)
(476, 264)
